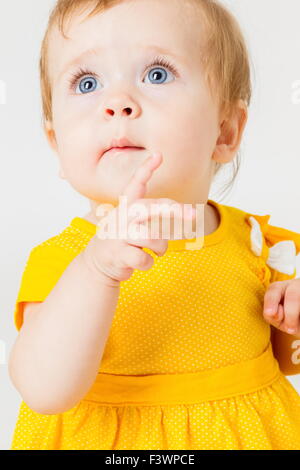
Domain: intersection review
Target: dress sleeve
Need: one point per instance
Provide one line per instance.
(43, 268)
(279, 248)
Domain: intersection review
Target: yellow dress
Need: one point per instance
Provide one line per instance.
(188, 363)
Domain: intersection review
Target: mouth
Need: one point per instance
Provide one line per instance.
(114, 150)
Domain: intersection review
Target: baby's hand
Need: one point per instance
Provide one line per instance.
(116, 258)
(284, 316)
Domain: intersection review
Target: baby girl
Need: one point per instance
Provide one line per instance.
(144, 342)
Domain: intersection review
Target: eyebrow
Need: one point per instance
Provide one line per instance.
(99, 50)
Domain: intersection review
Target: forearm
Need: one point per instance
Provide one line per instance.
(57, 355)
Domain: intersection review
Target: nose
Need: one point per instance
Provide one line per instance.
(122, 106)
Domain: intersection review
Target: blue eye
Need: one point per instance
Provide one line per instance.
(163, 63)
(158, 75)
(87, 85)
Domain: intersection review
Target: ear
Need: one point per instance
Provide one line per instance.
(50, 134)
(231, 132)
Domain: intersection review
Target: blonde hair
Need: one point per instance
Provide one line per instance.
(224, 56)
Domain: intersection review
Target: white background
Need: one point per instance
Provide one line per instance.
(36, 204)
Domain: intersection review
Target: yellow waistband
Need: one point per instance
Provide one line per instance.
(214, 384)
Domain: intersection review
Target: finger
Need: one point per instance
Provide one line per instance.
(103, 211)
(155, 228)
(291, 310)
(165, 207)
(272, 298)
(278, 318)
(161, 228)
(136, 188)
(158, 246)
(135, 258)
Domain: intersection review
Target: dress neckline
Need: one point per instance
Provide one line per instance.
(173, 245)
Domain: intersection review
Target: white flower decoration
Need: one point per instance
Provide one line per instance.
(282, 255)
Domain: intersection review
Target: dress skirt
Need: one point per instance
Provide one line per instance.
(249, 405)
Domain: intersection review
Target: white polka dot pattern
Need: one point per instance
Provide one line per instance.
(192, 311)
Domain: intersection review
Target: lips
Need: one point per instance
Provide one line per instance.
(121, 144)
(123, 149)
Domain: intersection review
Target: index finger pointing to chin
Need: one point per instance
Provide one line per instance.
(137, 186)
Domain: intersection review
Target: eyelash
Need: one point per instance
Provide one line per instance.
(75, 77)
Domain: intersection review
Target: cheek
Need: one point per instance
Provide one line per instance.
(75, 147)
(78, 136)
(191, 138)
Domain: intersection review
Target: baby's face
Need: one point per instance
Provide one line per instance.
(157, 108)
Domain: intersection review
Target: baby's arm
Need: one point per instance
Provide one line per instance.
(57, 353)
